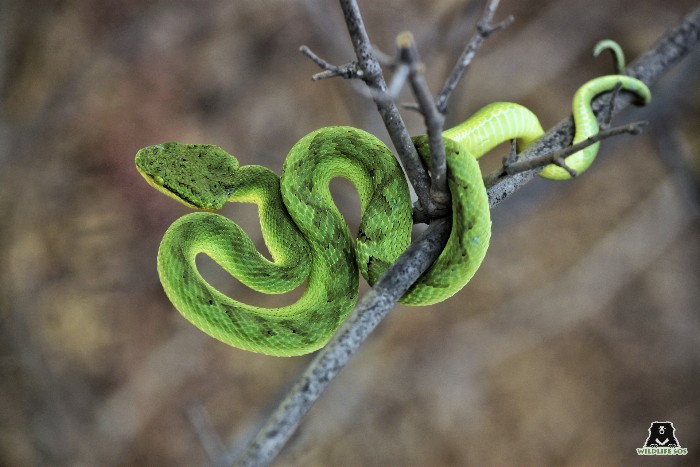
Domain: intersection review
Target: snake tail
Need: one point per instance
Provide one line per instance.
(587, 124)
(618, 54)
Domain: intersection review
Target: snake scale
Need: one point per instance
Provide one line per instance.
(306, 235)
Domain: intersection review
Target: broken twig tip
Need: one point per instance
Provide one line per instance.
(404, 40)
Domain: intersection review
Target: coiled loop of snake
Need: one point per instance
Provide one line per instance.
(306, 235)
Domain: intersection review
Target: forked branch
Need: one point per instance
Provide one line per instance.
(434, 122)
(558, 157)
(484, 29)
(377, 303)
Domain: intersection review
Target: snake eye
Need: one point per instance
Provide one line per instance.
(159, 180)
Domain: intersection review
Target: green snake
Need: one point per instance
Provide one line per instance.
(306, 235)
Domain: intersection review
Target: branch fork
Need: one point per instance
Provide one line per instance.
(432, 190)
(512, 165)
(377, 303)
(349, 70)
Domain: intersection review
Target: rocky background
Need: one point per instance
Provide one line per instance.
(580, 329)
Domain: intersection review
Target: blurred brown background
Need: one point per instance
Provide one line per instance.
(580, 329)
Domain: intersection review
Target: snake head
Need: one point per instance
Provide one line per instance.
(200, 176)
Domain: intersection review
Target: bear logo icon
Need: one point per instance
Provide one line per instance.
(662, 435)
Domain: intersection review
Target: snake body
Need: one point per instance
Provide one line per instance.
(305, 234)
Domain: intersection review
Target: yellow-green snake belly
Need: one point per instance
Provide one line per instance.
(305, 234)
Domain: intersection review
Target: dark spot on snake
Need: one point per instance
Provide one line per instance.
(229, 312)
(435, 284)
(361, 235)
(316, 316)
(349, 257)
(211, 302)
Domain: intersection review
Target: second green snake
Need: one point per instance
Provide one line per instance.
(306, 235)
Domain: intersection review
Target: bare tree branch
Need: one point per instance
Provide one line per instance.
(348, 71)
(208, 438)
(513, 164)
(377, 303)
(558, 157)
(484, 28)
(434, 123)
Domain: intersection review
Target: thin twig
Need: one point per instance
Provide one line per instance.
(512, 164)
(347, 71)
(434, 123)
(401, 74)
(484, 29)
(512, 154)
(376, 304)
(607, 121)
(209, 439)
(559, 157)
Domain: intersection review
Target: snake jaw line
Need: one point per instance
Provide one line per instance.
(200, 176)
